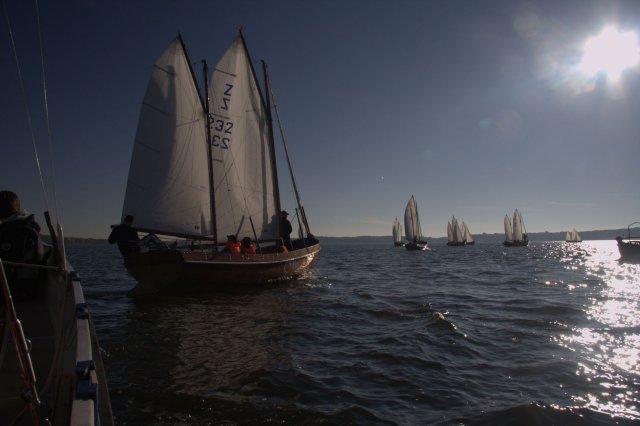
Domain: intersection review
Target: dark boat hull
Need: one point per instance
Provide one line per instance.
(173, 269)
(629, 250)
(516, 243)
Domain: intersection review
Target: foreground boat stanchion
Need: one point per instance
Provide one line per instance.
(23, 356)
(58, 374)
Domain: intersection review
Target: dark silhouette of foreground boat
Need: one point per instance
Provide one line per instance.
(51, 370)
(629, 249)
(204, 168)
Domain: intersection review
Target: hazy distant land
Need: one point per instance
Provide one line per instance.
(607, 234)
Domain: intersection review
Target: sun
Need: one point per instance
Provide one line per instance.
(611, 52)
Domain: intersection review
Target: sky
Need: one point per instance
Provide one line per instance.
(474, 107)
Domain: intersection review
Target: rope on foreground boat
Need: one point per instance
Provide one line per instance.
(27, 372)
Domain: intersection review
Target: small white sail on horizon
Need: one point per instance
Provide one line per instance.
(397, 232)
(573, 236)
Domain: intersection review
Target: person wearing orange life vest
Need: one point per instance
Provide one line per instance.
(280, 247)
(247, 246)
(232, 245)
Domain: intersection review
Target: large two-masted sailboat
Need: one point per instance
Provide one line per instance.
(203, 169)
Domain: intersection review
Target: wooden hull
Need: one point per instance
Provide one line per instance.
(57, 322)
(629, 250)
(168, 270)
(516, 243)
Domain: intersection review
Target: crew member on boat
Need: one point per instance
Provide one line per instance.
(248, 247)
(232, 245)
(20, 242)
(286, 229)
(126, 236)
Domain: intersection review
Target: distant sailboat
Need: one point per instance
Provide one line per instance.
(412, 227)
(397, 233)
(458, 234)
(515, 235)
(573, 236)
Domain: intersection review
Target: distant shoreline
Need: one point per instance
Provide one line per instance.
(607, 234)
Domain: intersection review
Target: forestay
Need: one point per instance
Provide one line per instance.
(168, 184)
(243, 173)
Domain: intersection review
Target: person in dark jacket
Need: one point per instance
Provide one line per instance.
(20, 242)
(285, 230)
(126, 236)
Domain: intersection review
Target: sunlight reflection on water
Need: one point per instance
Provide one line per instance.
(609, 346)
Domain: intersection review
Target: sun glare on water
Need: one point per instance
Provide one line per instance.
(611, 52)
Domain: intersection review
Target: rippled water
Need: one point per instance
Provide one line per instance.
(379, 335)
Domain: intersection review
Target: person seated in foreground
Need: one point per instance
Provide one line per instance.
(126, 236)
(280, 247)
(20, 242)
(232, 245)
(248, 247)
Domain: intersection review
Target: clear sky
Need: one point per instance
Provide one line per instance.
(474, 107)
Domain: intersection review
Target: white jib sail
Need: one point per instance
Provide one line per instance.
(241, 155)
(508, 231)
(517, 226)
(168, 184)
(397, 232)
(449, 233)
(411, 221)
(468, 238)
(568, 236)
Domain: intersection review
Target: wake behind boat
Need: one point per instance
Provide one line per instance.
(412, 227)
(205, 168)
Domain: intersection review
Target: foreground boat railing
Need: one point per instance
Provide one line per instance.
(629, 230)
(23, 355)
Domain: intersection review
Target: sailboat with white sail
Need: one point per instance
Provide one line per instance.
(515, 235)
(412, 227)
(458, 233)
(573, 236)
(396, 230)
(203, 169)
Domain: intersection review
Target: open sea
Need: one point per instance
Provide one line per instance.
(376, 335)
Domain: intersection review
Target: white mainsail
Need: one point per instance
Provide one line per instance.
(411, 221)
(517, 226)
(241, 154)
(508, 231)
(168, 184)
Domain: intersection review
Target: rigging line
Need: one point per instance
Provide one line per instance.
(24, 101)
(46, 112)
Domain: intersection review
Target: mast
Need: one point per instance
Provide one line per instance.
(212, 201)
(286, 152)
(205, 105)
(272, 144)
